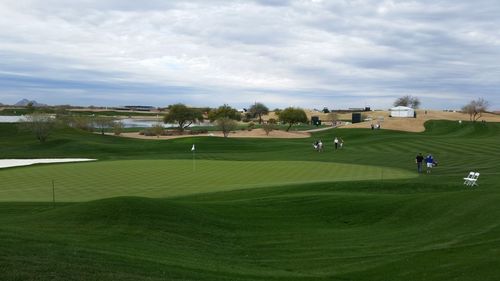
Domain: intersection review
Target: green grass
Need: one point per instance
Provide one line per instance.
(167, 178)
(22, 111)
(281, 212)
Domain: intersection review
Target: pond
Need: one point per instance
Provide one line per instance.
(146, 123)
(127, 122)
(10, 119)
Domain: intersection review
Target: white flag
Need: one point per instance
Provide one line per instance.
(192, 148)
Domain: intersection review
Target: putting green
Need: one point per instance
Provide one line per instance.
(167, 178)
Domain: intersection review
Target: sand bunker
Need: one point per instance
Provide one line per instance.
(7, 163)
(255, 133)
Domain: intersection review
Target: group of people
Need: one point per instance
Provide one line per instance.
(375, 126)
(318, 145)
(338, 143)
(429, 161)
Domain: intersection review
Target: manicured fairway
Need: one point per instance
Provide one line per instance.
(253, 209)
(167, 178)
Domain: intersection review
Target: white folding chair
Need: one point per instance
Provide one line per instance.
(470, 176)
(473, 181)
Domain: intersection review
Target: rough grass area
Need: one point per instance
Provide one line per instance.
(281, 213)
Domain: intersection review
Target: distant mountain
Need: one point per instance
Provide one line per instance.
(25, 102)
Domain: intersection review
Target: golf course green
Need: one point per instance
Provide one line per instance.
(253, 209)
(168, 178)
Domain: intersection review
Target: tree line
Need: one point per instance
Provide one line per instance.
(225, 117)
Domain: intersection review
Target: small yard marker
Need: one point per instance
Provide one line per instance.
(53, 195)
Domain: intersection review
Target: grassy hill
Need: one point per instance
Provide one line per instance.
(316, 227)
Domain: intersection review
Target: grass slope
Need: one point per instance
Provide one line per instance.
(309, 232)
(459, 148)
(424, 228)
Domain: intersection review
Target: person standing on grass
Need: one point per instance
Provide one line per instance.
(341, 142)
(430, 162)
(419, 159)
(320, 145)
(336, 142)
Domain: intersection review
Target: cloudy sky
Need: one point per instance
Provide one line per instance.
(307, 53)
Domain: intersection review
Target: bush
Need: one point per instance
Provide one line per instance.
(148, 132)
(81, 122)
(272, 121)
(118, 128)
(268, 127)
(226, 125)
(251, 126)
(157, 129)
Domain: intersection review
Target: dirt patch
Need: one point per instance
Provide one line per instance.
(415, 124)
(255, 133)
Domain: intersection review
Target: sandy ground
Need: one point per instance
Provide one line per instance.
(255, 133)
(399, 124)
(7, 163)
(415, 124)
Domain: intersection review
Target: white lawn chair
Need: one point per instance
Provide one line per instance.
(472, 179)
(469, 177)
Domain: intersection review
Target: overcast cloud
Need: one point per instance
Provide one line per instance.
(307, 53)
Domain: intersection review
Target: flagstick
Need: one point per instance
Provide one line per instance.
(194, 165)
(53, 195)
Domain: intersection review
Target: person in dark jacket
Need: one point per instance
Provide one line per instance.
(419, 159)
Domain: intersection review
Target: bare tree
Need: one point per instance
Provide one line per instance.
(268, 127)
(475, 109)
(40, 124)
(409, 101)
(81, 122)
(118, 128)
(102, 123)
(226, 125)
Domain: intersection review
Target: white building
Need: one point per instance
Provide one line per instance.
(402, 111)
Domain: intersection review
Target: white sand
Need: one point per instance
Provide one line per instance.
(7, 163)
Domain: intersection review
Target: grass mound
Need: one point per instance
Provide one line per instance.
(309, 232)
